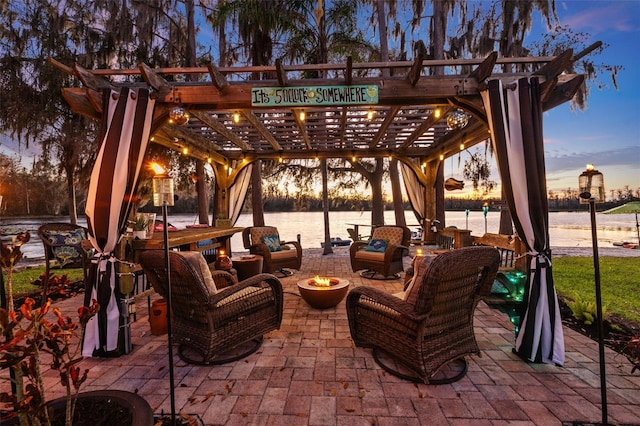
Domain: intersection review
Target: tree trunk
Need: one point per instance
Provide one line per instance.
(325, 207)
(201, 191)
(71, 193)
(506, 224)
(384, 44)
(396, 192)
(377, 203)
(256, 194)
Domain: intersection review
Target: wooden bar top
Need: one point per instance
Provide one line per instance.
(186, 238)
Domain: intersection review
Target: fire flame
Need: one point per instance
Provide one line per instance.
(322, 282)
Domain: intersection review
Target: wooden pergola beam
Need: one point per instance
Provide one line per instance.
(281, 73)
(302, 127)
(154, 80)
(90, 80)
(266, 134)
(388, 119)
(426, 125)
(221, 129)
(217, 78)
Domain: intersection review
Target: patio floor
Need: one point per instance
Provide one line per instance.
(310, 373)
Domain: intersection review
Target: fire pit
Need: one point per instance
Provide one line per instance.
(323, 292)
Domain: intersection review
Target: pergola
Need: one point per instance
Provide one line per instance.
(402, 110)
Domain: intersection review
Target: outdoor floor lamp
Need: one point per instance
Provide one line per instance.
(163, 197)
(591, 184)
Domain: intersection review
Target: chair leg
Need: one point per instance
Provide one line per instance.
(187, 353)
(373, 275)
(283, 273)
(457, 366)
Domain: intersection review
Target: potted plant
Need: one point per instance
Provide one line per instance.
(33, 337)
(223, 221)
(141, 225)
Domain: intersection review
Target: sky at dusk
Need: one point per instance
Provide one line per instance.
(606, 134)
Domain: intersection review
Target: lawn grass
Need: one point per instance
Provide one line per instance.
(22, 280)
(619, 281)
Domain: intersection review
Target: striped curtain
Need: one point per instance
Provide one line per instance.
(415, 192)
(238, 192)
(515, 120)
(124, 136)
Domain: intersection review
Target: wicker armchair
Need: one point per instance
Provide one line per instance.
(63, 249)
(213, 325)
(276, 254)
(424, 333)
(387, 263)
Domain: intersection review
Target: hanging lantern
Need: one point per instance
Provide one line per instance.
(179, 116)
(457, 119)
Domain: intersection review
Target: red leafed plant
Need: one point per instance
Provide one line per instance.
(27, 336)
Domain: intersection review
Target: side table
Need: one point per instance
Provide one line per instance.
(248, 266)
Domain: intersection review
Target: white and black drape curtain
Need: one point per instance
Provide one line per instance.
(238, 192)
(415, 192)
(515, 120)
(124, 135)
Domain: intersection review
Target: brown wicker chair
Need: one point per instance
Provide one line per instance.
(274, 261)
(424, 333)
(213, 325)
(63, 249)
(385, 264)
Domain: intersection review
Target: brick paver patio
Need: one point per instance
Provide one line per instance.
(310, 373)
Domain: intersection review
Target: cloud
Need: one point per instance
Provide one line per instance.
(620, 157)
(612, 15)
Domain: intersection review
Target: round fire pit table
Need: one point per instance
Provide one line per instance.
(323, 296)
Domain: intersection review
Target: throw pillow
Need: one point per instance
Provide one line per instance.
(377, 245)
(272, 242)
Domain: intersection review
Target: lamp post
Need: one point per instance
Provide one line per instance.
(485, 210)
(466, 213)
(163, 197)
(591, 184)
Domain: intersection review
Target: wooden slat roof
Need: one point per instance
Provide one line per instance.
(404, 121)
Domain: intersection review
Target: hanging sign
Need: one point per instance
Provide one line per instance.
(314, 96)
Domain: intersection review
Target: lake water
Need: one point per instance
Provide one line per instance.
(566, 229)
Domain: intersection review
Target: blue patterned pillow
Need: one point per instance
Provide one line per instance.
(377, 245)
(66, 254)
(272, 242)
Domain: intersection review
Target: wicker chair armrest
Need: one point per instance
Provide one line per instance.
(383, 298)
(357, 245)
(260, 248)
(223, 279)
(254, 281)
(292, 243)
(392, 251)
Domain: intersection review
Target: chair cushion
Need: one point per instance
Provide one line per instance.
(420, 268)
(284, 254)
(199, 264)
(377, 245)
(392, 234)
(272, 242)
(369, 255)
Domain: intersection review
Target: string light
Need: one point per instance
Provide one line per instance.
(236, 117)
(441, 157)
(303, 115)
(437, 112)
(185, 150)
(370, 114)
